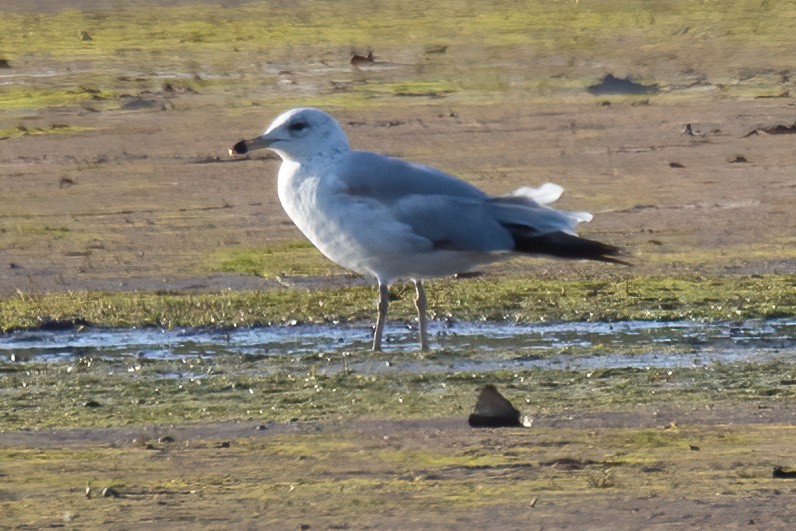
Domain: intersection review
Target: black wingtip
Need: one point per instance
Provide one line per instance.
(563, 245)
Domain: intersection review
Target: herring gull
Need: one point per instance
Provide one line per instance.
(392, 219)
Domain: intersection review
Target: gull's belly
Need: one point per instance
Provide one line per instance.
(363, 237)
(325, 222)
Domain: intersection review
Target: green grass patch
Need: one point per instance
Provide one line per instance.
(55, 129)
(364, 478)
(417, 88)
(120, 391)
(503, 299)
(491, 49)
(562, 25)
(21, 97)
(290, 258)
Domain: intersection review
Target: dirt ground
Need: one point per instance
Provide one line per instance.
(676, 467)
(147, 199)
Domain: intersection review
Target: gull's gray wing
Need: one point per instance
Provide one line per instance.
(447, 212)
(387, 179)
(453, 222)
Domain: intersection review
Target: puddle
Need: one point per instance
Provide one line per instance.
(458, 346)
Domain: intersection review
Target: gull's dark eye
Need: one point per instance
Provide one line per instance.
(298, 126)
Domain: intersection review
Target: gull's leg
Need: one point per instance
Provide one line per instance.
(384, 302)
(422, 323)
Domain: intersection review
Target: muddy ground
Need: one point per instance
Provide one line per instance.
(149, 198)
(137, 193)
(667, 468)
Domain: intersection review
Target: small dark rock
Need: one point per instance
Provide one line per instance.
(568, 463)
(689, 130)
(785, 94)
(223, 444)
(611, 84)
(110, 492)
(166, 439)
(468, 274)
(738, 159)
(435, 49)
(676, 165)
(780, 129)
(694, 448)
(781, 473)
(4, 63)
(261, 427)
(493, 410)
(358, 59)
(91, 403)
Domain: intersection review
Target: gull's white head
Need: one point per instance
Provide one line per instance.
(299, 135)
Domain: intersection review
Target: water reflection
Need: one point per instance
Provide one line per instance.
(459, 345)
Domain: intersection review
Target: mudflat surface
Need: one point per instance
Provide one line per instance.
(652, 468)
(114, 175)
(148, 199)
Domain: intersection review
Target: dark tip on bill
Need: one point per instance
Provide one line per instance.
(239, 148)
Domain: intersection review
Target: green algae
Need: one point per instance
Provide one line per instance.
(225, 47)
(491, 299)
(91, 392)
(55, 129)
(288, 258)
(365, 478)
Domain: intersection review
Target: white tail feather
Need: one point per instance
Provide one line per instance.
(544, 195)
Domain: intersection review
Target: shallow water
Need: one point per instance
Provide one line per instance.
(457, 345)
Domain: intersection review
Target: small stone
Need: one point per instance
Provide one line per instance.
(110, 492)
(781, 473)
(166, 439)
(493, 410)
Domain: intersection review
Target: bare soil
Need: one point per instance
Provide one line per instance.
(676, 468)
(147, 198)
